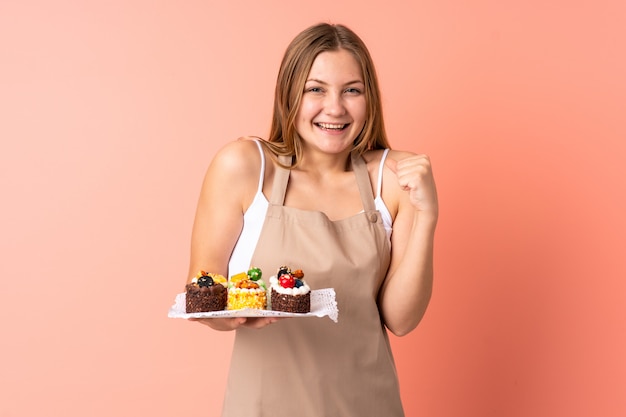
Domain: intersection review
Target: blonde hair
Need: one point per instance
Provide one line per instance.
(294, 70)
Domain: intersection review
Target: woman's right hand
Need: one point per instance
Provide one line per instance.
(227, 324)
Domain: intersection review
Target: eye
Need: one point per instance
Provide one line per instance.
(354, 91)
(313, 90)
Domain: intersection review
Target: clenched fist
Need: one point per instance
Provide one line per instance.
(415, 176)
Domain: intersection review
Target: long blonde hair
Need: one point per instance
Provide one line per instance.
(294, 70)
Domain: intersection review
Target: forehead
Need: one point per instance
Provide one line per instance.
(338, 65)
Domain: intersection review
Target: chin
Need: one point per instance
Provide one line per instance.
(335, 148)
(331, 144)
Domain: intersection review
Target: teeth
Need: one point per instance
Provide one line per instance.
(331, 126)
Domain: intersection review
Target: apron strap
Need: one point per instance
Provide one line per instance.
(281, 178)
(363, 181)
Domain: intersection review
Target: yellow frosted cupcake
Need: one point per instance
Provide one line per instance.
(247, 290)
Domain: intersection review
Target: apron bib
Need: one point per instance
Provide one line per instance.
(313, 367)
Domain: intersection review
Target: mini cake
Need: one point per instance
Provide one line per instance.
(206, 292)
(247, 290)
(289, 292)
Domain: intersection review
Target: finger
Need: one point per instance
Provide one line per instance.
(222, 324)
(392, 164)
(257, 322)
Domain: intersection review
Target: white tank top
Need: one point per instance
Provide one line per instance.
(254, 218)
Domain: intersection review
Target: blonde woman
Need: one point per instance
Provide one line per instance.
(326, 193)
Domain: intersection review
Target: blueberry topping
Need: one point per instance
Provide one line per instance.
(205, 281)
(298, 283)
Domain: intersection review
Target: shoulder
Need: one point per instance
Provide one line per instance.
(398, 155)
(238, 159)
(237, 155)
(373, 157)
(234, 171)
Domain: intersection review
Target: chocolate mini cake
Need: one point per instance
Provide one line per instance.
(206, 293)
(289, 292)
(291, 303)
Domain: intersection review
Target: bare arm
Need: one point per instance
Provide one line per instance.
(407, 289)
(227, 190)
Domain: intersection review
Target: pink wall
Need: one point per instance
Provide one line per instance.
(110, 112)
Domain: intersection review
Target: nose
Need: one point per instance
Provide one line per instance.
(334, 105)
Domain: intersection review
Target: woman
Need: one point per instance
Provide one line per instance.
(325, 194)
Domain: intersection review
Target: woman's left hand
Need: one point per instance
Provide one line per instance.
(415, 176)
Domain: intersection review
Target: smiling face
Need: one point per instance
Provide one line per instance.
(333, 107)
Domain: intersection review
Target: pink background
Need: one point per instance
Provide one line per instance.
(110, 112)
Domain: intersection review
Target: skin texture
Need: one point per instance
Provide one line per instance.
(331, 115)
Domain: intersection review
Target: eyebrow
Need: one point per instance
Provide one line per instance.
(325, 83)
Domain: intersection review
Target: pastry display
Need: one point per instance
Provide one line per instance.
(206, 292)
(289, 292)
(247, 290)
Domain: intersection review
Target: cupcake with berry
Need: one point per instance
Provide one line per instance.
(206, 292)
(247, 290)
(289, 291)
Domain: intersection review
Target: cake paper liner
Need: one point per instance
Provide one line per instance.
(323, 303)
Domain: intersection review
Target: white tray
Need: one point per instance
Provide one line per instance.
(322, 304)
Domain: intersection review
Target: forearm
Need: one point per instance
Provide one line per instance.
(407, 289)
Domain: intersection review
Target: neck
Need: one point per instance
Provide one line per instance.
(324, 164)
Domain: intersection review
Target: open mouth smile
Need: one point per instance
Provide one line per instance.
(332, 126)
